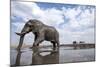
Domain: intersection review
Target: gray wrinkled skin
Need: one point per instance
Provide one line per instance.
(41, 31)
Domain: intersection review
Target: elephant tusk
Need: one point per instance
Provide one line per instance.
(20, 33)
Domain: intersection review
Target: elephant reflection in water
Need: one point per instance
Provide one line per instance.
(18, 57)
(37, 58)
(51, 58)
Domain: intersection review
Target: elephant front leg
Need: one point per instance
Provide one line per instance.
(38, 40)
(35, 38)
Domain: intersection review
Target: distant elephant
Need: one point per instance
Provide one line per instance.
(41, 31)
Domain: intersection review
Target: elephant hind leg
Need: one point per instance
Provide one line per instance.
(54, 44)
(58, 44)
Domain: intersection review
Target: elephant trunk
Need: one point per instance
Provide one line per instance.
(26, 29)
(20, 42)
(22, 34)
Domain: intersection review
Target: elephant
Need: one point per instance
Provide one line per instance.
(41, 31)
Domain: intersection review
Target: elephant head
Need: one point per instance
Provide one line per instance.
(31, 25)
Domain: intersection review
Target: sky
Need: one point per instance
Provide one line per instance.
(74, 22)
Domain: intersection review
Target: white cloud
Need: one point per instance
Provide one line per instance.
(87, 19)
(81, 24)
(51, 16)
(71, 12)
(22, 9)
(18, 26)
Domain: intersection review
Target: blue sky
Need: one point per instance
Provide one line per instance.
(73, 21)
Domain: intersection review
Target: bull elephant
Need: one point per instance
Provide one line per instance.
(41, 31)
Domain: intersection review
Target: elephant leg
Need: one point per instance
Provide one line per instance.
(33, 43)
(54, 44)
(38, 40)
(36, 43)
(35, 40)
(58, 44)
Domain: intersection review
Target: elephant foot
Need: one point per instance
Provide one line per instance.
(33, 46)
(18, 49)
(55, 48)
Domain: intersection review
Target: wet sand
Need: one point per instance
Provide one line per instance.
(48, 55)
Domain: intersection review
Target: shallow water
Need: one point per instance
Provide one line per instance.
(48, 55)
(79, 55)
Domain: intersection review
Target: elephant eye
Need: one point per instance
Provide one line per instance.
(30, 26)
(30, 20)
